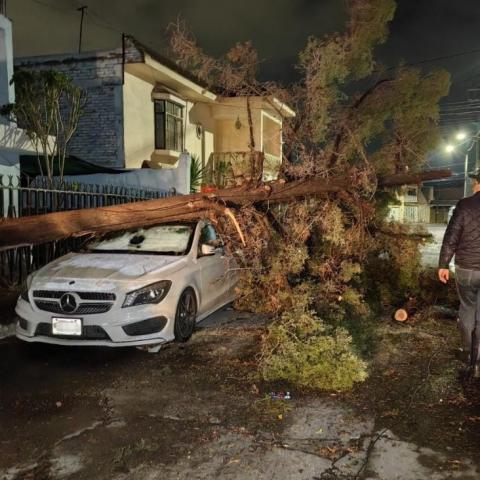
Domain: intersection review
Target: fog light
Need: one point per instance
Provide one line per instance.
(145, 327)
(23, 323)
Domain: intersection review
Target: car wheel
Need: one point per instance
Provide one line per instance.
(186, 316)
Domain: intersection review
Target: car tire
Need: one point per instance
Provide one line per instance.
(185, 316)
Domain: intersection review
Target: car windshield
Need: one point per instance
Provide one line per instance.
(163, 239)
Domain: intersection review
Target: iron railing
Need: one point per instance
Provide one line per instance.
(39, 197)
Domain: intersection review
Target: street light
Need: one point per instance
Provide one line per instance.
(450, 148)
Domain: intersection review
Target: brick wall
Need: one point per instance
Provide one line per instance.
(99, 137)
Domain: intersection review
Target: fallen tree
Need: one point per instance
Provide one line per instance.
(55, 226)
(325, 259)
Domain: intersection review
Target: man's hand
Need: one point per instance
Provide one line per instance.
(444, 275)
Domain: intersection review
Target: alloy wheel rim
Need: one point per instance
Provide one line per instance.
(186, 313)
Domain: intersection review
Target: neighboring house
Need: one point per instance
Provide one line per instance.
(144, 111)
(413, 205)
(445, 197)
(13, 140)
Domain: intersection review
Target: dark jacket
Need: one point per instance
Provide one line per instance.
(462, 237)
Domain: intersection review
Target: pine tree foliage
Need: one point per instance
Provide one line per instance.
(317, 266)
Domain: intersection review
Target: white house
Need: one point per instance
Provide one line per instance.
(144, 111)
(13, 141)
(412, 205)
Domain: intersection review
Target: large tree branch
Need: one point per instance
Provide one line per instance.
(55, 226)
(356, 105)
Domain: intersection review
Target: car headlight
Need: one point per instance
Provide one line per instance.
(153, 293)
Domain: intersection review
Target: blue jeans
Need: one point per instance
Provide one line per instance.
(468, 288)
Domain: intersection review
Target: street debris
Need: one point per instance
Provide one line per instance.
(280, 395)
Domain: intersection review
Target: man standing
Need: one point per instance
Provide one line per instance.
(462, 239)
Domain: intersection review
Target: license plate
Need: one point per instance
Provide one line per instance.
(67, 326)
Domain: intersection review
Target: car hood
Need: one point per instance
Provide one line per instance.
(106, 269)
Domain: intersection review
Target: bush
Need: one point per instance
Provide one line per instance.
(300, 349)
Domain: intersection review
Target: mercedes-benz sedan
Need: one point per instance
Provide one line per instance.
(142, 287)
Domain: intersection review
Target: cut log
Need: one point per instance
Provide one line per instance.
(55, 226)
(409, 309)
(401, 315)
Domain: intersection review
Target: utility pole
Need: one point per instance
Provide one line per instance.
(81, 9)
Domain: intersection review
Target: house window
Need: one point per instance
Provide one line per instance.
(168, 126)
(411, 195)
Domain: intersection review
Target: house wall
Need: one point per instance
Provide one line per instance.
(200, 130)
(167, 180)
(139, 127)
(139, 131)
(7, 92)
(271, 136)
(99, 137)
(13, 140)
(229, 113)
(229, 138)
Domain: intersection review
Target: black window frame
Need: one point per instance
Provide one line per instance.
(168, 118)
(213, 240)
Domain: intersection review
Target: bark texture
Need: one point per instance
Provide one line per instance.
(54, 226)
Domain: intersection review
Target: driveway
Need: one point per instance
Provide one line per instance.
(199, 411)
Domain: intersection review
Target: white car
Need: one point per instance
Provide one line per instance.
(142, 287)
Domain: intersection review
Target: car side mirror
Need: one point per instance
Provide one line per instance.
(208, 249)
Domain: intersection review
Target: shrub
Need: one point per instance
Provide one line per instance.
(300, 349)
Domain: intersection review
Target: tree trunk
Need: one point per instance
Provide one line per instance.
(54, 226)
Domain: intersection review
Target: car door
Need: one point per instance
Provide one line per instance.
(212, 270)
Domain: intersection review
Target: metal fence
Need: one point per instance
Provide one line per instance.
(39, 197)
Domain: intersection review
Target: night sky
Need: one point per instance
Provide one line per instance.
(423, 30)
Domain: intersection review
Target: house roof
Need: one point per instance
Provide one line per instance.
(164, 60)
(270, 102)
(147, 63)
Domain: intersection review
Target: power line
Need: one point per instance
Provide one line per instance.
(108, 25)
(475, 106)
(445, 57)
(55, 7)
(463, 102)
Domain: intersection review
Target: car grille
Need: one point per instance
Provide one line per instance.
(96, 302)
(83, 308)
(89, 332)
(83, 295)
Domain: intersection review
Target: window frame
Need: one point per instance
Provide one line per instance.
(216, 242)
(162, 117)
